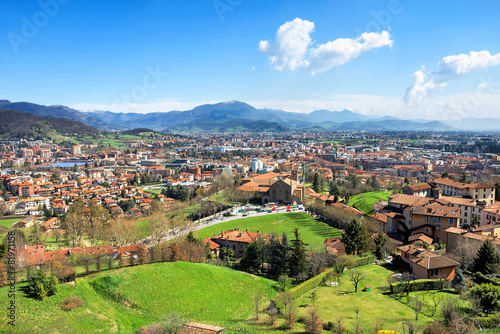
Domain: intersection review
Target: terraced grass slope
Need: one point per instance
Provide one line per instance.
(312, 231)
(365, 202)
(123, 300)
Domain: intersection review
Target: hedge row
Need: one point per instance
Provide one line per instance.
(317, 280)
(302, 288)
(362, 261)
(419, 285)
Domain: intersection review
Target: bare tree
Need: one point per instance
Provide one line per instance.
(75, 227)
(159, 225)
(417, 305)
(409, 327)
(338, 327)
(172, 323)
(314, 324)
(257, 300)
(95, 218)
(356, 277)
(378, 325)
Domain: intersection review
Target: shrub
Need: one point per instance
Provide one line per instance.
(71, 303)
(488, 294)
(480, 278)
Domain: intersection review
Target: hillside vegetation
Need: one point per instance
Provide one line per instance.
(312, 231)
(124, 300)
(365, 202)
(17, 124)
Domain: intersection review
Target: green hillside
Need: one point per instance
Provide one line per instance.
(17, 124)
(365, 202)
(200, 292)
(312, 231)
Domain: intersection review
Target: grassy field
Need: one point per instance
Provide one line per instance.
(200, 292)
(376, 305)
(153, 191)
(312, 231)
(6, 224)
(365, 202)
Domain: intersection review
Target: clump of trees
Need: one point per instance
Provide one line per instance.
(40, 286)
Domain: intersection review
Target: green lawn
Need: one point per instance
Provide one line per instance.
(312, 231)
(365, 202)
(7, 223)
(340, 301)
(200, 292)
(153, 191)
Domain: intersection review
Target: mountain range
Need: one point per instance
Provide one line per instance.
(240, 116)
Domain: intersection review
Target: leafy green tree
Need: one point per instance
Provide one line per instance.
(486, 258)
(250, 261)
(284, 282)
(333, 188)
(488, 295)
(298, 261)
(380, 241)
(458, 283)
(375, 184)
(54, 177)
(354, 238)
(35, 235)
(40, 286)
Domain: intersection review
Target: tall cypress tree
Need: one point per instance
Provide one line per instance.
(285, 249)
(274, 257)
(485, 259)
(298, 262)
(316, 183)
(354, 238)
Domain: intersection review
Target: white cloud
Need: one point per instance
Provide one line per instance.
(340, 51)
(422, 85)
(462, 64)
(449, 68)
(293, 42)
(290, 45)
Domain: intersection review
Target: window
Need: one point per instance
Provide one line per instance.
(465, 214)
(435, 272)
(427, 229)
(438, 227)
(436, 219)
(427, 218)
(452, 220)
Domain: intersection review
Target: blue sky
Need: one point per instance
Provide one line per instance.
(411, 59)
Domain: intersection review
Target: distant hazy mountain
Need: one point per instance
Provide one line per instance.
(475, 124)
(18, 124)
(236, 115)
(58, 112)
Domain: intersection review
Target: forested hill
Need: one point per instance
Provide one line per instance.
(18, 124)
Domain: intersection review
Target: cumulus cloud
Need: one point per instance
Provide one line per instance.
(290, 45)
(449, 68)
(292, 48)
